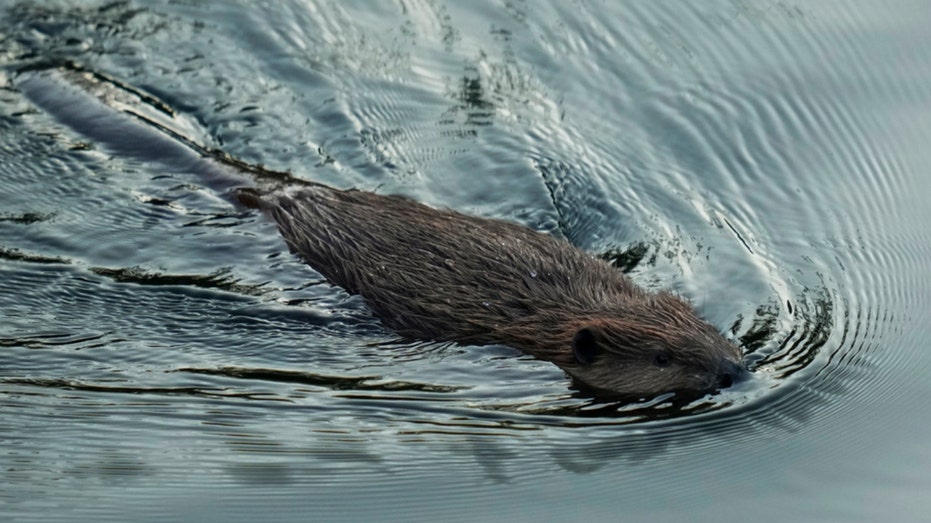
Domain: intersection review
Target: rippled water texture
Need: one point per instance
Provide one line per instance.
(163, 356)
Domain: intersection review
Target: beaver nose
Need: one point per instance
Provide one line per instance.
(730, 372)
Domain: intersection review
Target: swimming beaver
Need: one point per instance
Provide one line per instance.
(432, 275)
(439, 275)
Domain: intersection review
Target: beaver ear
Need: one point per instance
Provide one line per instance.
(585, 345)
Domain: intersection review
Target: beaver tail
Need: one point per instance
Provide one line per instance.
(130, 122)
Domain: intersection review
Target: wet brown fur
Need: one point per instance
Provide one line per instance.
(439, 275)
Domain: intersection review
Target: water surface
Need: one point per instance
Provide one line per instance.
(163, 356)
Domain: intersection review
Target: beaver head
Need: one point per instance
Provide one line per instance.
(650, 346)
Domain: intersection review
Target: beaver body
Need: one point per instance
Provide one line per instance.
(428, 274)
(440, 275)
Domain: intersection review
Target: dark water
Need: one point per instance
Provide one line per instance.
(162, 356)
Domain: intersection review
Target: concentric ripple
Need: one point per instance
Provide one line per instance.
(764, 160)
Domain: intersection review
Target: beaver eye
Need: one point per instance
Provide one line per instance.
(585, 346)
(662, 359)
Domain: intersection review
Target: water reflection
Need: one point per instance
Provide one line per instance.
(757, 158)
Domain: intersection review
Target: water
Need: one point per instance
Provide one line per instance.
(163, 357)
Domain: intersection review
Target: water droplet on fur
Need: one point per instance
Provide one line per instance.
(533, 274)
(449, 263)
(486, 304)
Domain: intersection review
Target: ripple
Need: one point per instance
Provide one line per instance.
(559, 178)
(761, 159)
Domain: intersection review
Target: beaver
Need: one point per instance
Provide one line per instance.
(439, 275)
(430, 274)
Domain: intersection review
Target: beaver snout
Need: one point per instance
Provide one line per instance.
(731, 372)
